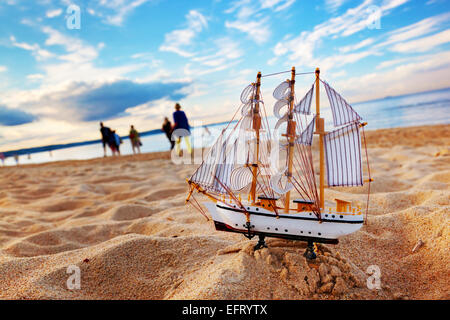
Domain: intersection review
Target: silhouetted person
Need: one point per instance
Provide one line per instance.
(182, 128)
(115, 142)
(135, 140)
(167, 128)
(106, 133)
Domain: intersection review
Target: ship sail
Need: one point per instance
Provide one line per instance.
(212, 166)
(279, 186)
(224, 167)
(343, 113)
(304, 106)
(281, 121)
(298, 172)
(248, 93)
(228, 165)
(282, 91)
(278, 106)
(343, 156)
(241, 177)
(306, 137)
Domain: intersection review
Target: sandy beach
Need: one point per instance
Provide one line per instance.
(123, 221)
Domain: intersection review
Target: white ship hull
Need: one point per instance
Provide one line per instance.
(297, 226)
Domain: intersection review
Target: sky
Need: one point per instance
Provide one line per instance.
(67, 65)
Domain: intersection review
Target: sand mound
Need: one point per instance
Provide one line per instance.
(126, 267)
(286, 273)
(54, 241)
(131, 212)
(66, 205)
(164, 193)
(194, 267)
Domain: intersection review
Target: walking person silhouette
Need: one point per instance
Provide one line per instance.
(181, 129)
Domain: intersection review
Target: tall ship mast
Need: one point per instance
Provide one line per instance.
(260, 180)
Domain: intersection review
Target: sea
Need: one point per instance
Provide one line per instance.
(425, 108)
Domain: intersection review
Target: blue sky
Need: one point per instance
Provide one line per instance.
(131, 60)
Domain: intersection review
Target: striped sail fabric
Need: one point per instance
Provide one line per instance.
(280, 183)
(343, 113)
(278, 106)
(281, 94)
(241, 177)
(246, 108)
(224, 168)
(283, 90)
(204, 175)
(218, 165)
(304, 106)
(281, 121)
(306, 137)
(343, 156)
(248, 93)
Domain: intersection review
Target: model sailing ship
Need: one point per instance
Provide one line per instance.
(252, 196)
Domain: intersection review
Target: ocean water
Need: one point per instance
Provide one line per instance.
(403, 111)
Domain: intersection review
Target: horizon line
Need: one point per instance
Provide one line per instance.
(52, 147)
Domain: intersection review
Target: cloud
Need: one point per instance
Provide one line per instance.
(201, 71)
(394, 62)
(11, 2)
(40, 54)
(339, 60)
(53, 13)
(177, 40)
(301, 49)
(357, 46)
(276, 5)
(74, 63)
(223, 53)
(258, 30)
(424, 73)
(333, 5)
(77, 51)
(87, 102)
(227, 50)
(35, 76)
(3, 68)
(111, 100)
(423, 44)
(14, 117)
(251, 18)
(220, 54)
(121, 9)
(415, 30)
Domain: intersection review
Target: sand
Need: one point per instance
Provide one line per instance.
(123, 222)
